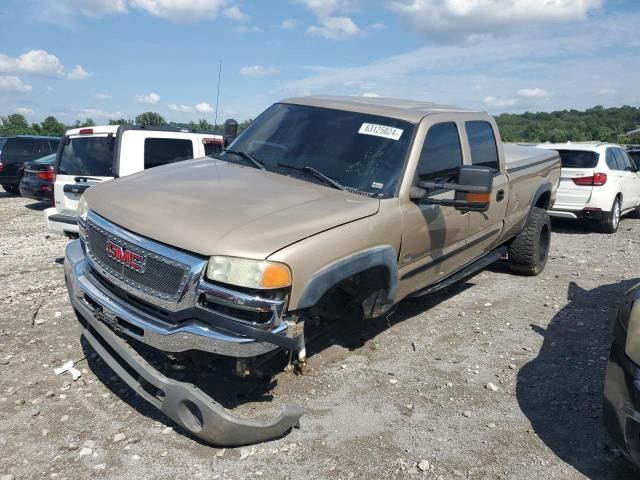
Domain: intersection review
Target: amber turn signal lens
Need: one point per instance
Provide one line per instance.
(478, 197)
(276, 276)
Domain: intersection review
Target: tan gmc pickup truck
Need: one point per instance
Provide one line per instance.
(323, 207)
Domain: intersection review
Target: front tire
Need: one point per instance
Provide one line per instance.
(528, 252)
(610, 220)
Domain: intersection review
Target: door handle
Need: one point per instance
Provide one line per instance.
(500, 196)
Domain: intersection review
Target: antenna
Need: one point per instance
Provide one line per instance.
(215, 121)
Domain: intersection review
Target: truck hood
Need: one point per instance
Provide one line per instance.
(213, 207)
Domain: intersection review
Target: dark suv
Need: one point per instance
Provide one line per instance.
(14, 151)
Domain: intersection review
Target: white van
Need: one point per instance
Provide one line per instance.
(91, 155)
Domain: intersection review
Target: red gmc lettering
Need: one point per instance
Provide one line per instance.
(126, 257)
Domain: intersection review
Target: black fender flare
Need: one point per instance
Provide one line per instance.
(324, 279)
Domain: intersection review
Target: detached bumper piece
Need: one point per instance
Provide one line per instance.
(107, 321)
(183, 402)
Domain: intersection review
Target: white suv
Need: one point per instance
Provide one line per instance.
(91, 155)
(598, 182)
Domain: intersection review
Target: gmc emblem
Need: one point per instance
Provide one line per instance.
(126, 257)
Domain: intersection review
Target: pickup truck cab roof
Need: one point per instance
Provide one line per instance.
(408, 110)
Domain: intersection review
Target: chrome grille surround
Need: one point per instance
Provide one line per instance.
(170, 276)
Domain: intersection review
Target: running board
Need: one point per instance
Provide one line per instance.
(479, 264)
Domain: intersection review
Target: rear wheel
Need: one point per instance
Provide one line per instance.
(528, 252)
(12, 189)
(610, 220)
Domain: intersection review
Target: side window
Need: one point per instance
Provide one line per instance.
(40, 148)
(482, 143)
(441, 155)
(624, 159)
(18, 146)
(612, 161)
(161, 151)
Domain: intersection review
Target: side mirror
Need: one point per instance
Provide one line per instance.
(230, 131)
(472, 191)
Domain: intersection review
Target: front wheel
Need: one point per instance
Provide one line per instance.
(528, 252)
(610, 220)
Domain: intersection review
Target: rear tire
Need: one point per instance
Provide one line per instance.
(12, 189)
(610, 220)
(528, 252)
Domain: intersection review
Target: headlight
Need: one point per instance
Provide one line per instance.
(83, 212)
(83, 209)
(245, 272)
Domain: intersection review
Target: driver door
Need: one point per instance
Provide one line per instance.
(433, 236)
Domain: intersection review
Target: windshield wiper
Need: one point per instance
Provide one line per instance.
(316, 173)
(256, 163)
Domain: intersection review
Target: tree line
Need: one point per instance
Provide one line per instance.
(17, 124)
(594, 124)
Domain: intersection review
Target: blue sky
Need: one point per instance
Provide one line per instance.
(116, 58)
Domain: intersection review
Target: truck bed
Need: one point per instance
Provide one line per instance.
(519, 157)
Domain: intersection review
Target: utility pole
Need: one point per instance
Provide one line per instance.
(215, 121)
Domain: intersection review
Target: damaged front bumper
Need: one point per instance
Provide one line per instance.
(107, 321)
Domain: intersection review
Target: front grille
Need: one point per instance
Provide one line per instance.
(161, 277)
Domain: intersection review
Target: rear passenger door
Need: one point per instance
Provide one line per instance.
(485, 227)
(630, 180)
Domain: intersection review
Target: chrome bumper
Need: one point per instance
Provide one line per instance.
(183, 402)
(234, 339)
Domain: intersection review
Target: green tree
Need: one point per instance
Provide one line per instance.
(150, 118)
(120, 121)
(51, 126)
(88, 123)
(15, 124)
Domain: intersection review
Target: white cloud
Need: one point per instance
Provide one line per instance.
(456, 20)
(78, 73)
(10, 83)
(39, 62)
(234, 13)
(248, 29)
(606, 92)
(335, 28)
(289, 24)
(203, 107)
(533, 93)
(257, 70)
(150, 99)
(180, 108)
(180, 10)
(333, 24)
(377, 26)
(102, 96)
(60, 9)
(24, 111)
(370, 95)
(95, 113)
(499, 102)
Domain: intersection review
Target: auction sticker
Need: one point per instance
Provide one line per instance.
(380, 131)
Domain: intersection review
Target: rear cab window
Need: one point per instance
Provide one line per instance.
(482, 143)
(578, 159)
(162, 151)
(87, 155)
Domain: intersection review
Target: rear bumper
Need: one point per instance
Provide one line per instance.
(182, 402)
(60, 224)
(582, 214)
(37, 192)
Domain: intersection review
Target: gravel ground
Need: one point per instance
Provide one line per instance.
(498, 377)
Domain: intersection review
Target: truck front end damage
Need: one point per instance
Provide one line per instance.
(127, 289)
